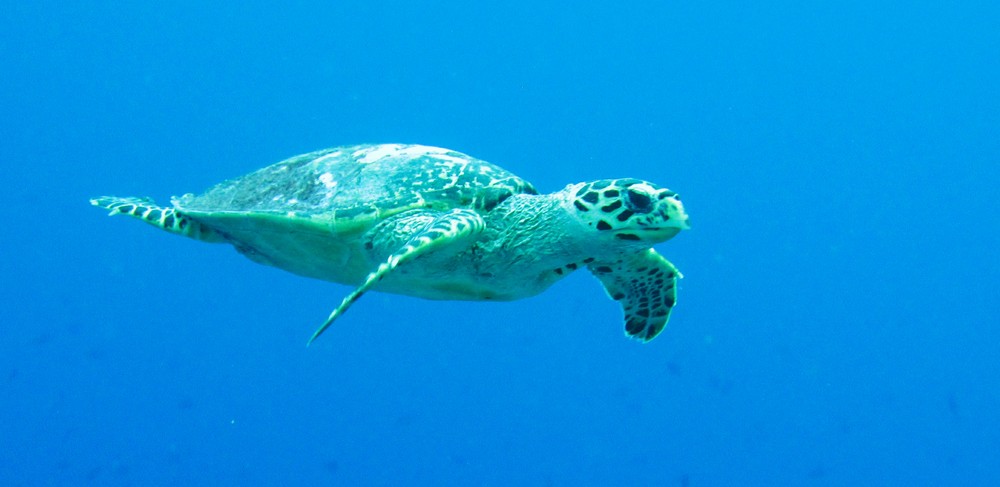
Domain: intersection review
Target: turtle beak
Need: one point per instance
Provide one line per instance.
(684, 224)
(675, 216)
(660, 234)
(668, 229)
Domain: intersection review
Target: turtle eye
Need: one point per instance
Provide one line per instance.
(638, 200)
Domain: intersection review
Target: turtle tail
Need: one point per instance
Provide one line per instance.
(165, 218)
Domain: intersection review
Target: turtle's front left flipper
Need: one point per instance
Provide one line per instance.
(452, 229)
(646, 285)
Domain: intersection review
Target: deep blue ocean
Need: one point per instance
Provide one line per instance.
(838, 323)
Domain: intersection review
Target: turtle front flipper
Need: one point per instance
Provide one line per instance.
(646, 285)
(451, 229)
(160, 217)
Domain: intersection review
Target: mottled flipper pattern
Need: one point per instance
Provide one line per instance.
(646, 285)
(453, 228)
(161, 217)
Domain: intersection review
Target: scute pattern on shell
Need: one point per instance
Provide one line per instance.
(363, 182)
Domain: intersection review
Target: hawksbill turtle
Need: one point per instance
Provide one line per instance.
(437, 224)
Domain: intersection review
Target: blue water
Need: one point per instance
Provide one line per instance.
(837, 324)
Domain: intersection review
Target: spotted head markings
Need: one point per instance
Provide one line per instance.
(621, 204)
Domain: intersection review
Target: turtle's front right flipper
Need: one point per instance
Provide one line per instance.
(164, 218)
(646, 286)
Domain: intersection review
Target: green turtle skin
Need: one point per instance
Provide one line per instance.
(437, 224)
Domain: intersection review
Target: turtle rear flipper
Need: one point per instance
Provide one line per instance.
(646, 285)
(164, 218)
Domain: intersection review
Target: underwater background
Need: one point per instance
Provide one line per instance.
(837, 324)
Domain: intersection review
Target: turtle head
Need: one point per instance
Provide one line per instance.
(628, 209)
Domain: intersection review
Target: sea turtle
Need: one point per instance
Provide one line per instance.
(438, 224)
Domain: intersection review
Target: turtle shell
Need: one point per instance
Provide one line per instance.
(344, 187)
(285, 214)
